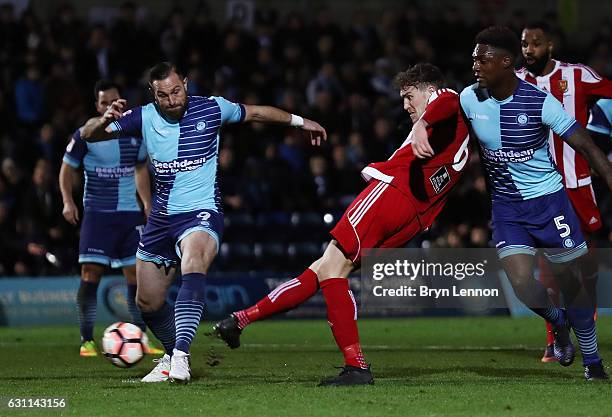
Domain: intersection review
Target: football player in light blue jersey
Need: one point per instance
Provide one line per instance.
(530, 208)
(600, 121)
(181, 135)
(112, 218)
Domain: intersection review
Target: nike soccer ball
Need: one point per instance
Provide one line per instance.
(124, 344)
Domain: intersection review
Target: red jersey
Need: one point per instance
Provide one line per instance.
(577, 87)
(427, 181)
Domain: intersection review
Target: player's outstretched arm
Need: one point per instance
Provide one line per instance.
(95, 129)
(269, 114)
(70, 210)
(582, 142)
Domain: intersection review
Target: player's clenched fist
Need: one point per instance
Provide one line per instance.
(114, 111)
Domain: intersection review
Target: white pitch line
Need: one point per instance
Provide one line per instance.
(330, 346)
(396, 347)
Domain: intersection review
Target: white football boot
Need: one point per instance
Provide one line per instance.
(179, 368)
(160, 372)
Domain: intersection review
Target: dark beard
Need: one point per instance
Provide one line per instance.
(538, 66)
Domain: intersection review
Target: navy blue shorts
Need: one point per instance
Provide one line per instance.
(547, 222)
(160, 241)
(110, 238)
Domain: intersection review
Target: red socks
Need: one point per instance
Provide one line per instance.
(342, 318)
(341, 310)
(286, 296)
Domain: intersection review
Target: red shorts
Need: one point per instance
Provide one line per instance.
(380, 217)
(585, 206)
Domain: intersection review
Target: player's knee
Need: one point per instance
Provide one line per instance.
(333, 264)
(196, 263)
(519, 274)
(148, 304)
(328, 271)
(522, 284)
(91, 273)
(198, 255)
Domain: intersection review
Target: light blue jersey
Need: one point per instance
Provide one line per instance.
(109, 169)
(183, 153)
(513, 137)
(600, 120)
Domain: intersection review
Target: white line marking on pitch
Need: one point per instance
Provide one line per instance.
(395, 347)
(329, 346)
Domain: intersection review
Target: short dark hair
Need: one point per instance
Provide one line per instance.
(419, 75)
(540, 24)
(162, 70)
(103, 85)
(500, 37)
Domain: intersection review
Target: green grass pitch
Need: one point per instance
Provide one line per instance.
(423, 367)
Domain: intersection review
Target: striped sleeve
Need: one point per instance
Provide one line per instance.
(75, 151)
(230, 112)
(130, 124)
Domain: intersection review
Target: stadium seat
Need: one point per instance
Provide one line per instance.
(236, 255)
(304, 253)
(273, 227)
(273, 218)
(239, 220)
(306, 219)
(239, 227)
(271, 256)
(308, 226)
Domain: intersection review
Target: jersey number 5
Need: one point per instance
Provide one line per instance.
(562, 226)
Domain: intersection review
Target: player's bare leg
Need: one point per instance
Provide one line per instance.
(87, 304)
(129, 272)
(519, 269)
(286, 296)
(198, 250)
(330, 272)
(153, 282)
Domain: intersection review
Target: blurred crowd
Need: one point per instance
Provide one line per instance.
(338, 75)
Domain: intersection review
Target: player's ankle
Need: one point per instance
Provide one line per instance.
(246, 316)
(353, 356)
(180, 351)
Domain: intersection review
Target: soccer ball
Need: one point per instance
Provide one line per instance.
(124, 344)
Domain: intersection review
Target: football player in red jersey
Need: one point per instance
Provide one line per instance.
(577, 87)
(403, 197)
